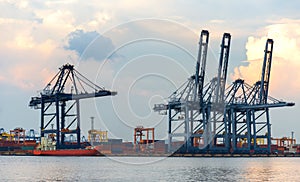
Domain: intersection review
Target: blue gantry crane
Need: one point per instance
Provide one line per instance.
(184, 105)
(247, 111)
(214, 119)
(59, 103)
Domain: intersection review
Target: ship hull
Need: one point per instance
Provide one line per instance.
(66, 152)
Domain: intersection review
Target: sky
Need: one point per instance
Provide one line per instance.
(144, 50)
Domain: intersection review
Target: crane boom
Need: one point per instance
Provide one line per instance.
(222, 69)
(201, 63)
(266, 70)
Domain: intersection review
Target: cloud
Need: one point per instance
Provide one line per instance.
(285, 74)
(99, 19)
(28, 62)
(31, 68)
(18, 10)
(31, 50)
(90, 45)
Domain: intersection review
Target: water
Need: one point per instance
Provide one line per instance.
(20, 168)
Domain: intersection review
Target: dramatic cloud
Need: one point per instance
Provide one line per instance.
(285, 74)
(90, 45)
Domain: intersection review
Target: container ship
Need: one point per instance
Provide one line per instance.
(47, 147)
(18, 142)
(67, 152)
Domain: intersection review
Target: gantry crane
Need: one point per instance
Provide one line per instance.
(59, 103)
(222, 120)
(184, 105)
(214, 105)
(247, 111)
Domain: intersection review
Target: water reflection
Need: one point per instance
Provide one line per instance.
(171, 169)
(276, 169)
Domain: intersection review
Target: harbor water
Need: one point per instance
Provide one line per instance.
(30, 168)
